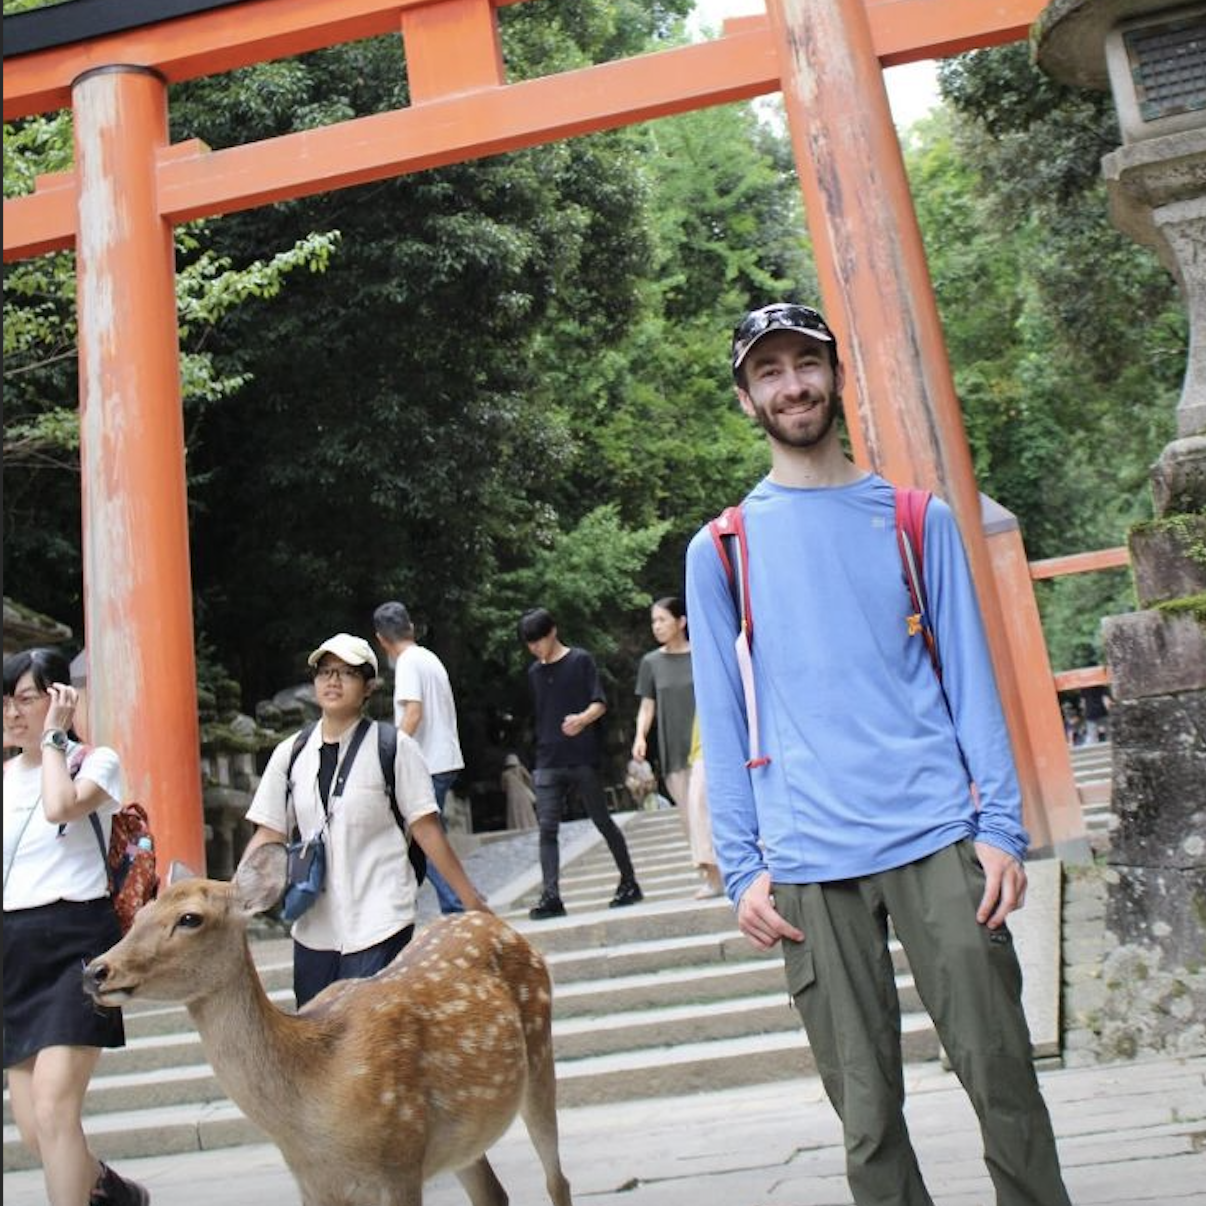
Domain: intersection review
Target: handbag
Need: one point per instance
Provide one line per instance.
(304, 878)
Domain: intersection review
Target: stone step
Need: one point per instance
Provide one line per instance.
(673, 1068)
(662, 997)
(697, 1067)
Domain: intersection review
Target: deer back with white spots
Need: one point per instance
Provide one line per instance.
(376, 1085)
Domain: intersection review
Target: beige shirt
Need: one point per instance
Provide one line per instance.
(369, 891)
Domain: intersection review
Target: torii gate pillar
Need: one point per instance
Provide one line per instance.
(905, 418)
(137, 597)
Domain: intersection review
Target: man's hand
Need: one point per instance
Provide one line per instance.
(639, 748)
(573, 724)
(758, 919)
(1005, 886)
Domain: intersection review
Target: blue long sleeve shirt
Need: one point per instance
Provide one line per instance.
(868, 769)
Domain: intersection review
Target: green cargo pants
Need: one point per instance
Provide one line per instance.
(842, 982)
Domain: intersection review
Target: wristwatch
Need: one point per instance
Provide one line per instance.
(56, 739)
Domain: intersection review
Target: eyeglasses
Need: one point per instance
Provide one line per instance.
(329, 674)
(25, 702)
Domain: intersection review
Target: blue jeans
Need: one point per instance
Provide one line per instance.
(450, 902)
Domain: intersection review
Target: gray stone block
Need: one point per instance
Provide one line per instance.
(1160, 910)
(1154, 653)
(1166, 558)
(1179, 476)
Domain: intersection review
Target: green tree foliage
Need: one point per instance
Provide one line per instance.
(41, 419)
(1067, 340)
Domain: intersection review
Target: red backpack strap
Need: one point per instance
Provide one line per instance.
(728, 535)
(911, 506)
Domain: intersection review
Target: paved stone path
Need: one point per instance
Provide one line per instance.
(1129, 1134)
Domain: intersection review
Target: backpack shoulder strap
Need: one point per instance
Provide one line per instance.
(911, 507)
(728, 535)
(299, 743)
(387, 750)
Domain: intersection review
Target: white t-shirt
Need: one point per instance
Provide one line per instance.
(369, 890)
(45, 865)
(420, 675)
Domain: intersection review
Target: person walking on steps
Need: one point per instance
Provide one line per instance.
(568, 701)
(58, 916)
(424, 708)
(861, 787)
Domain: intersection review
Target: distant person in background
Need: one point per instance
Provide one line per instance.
(699, 822)
(517, 785)
(666, 690)
(568, 700)
(664, 687)
(57, 917)
(424, 708)
(1095, 704)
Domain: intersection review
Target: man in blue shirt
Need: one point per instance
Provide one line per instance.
(862, 808)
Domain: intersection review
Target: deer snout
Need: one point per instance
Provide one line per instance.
(95, 975)
(96, 984)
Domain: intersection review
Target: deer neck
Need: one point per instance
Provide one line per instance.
(251, 1046)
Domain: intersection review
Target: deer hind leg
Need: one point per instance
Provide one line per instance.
(539, 1111)
(481, 1184)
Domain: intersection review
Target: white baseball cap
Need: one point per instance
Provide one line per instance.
(354, 650)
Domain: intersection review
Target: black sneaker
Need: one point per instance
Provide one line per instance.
(627, 894)
(549, 905)
(112, 1190)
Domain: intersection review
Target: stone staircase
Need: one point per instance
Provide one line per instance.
(1093, 767)
(663, 997)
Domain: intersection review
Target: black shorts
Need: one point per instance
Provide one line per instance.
(45, 950)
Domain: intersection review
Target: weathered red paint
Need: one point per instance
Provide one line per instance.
(1081, 563)
(142, 690)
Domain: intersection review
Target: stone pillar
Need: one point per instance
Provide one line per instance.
(1150, 53)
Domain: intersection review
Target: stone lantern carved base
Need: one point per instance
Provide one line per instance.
(1157, 196)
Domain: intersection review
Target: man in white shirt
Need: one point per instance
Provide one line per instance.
(424, 709)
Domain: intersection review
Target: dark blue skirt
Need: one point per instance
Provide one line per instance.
(45, 950)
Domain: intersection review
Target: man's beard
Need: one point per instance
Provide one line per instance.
(807, 437)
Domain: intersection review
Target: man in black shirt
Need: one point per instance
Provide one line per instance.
(568, 699)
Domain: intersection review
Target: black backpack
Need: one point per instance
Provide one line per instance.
(387, 748)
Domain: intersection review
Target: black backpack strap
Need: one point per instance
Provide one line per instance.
(387, 751)
(299, 743)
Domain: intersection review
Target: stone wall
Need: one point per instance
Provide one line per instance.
(1119, 1002)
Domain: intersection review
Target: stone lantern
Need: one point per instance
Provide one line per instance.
(1151, 54)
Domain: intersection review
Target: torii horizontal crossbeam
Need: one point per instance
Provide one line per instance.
(194, 182)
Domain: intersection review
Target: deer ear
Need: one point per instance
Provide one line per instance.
(178, 871)
(260, 879)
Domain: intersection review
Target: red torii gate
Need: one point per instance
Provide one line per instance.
(130, 185)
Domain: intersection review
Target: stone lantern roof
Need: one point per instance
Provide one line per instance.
(1069, 37)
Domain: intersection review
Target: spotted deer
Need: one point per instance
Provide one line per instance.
(376, 1085)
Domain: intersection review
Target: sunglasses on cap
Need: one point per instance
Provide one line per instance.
(780, 316)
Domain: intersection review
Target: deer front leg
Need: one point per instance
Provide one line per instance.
(481, 1184)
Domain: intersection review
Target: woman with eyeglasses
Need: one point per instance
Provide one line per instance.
(327, 784)
(57, 917)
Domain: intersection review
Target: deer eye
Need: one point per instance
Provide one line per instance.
(189, 921)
